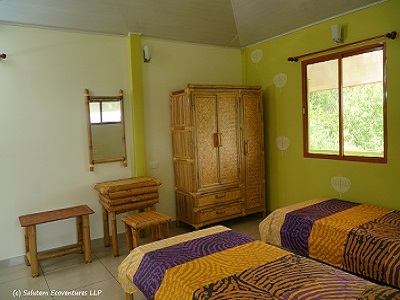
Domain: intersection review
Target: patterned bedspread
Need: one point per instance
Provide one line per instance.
(358, 238)
(219, 263)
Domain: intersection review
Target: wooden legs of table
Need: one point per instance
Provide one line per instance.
(165, 230)
(83, 245)
(79, 232)
(114, 233)
(105, 227)
(135, 238)
(128, 237)
(160, 231)
(132, 235)
(31, 250)
(83, 237)
(111, 215)
(106, 230)
(128, 296)
(87, 249)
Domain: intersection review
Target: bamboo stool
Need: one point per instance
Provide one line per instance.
(81, 213)
(136, 222)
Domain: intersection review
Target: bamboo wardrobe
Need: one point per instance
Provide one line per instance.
(218, 152)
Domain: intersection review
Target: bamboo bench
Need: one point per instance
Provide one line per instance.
(81, 213)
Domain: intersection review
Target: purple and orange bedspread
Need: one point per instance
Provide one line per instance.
(358, 238)
(219, 263)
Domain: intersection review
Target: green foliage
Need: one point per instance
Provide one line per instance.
(323, 121)
(362, 120)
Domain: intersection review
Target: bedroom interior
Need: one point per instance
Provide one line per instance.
(44, 154)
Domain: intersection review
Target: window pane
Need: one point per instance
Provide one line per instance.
(94, 112)
(323, 107)
(363, 129)
(111, 111)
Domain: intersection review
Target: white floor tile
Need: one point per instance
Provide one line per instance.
(15, 272)
(26, 287)
(103, 290)
(51, 265)
(76, 276)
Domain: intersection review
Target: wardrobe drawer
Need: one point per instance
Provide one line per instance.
(220, 212)
(218, 198)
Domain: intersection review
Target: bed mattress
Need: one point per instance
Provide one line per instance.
(358, 238)
(219, 263)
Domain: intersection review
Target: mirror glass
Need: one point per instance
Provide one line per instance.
(106, 129)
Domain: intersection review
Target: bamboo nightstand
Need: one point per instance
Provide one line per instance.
(123, 195)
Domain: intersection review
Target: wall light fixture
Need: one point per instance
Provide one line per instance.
(146, 54)
(336, 31)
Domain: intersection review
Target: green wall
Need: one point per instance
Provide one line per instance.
(291, 177)
(139, 145)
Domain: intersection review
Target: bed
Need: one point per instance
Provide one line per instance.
(358, 238)
(220, 263)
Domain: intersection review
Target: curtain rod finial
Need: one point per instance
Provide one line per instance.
(391, 35)
(293, 59)
(3, 56)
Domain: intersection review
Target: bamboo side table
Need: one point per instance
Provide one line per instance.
(123, 195)
(81, 213)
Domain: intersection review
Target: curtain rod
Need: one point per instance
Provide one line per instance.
(391, 35)
(3, 56)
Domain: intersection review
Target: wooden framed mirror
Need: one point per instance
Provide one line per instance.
(106, 129)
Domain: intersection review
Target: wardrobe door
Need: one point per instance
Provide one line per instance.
(228, 138)
(206, 139)
(253, 152)
(182, 143)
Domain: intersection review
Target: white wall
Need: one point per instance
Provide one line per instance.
(172, 67)
(44, 147)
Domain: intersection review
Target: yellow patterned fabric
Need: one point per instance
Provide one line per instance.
(271, 225)
(130, 264)
(359, 238)
(329, 235)
(219, 263)
(180, 282)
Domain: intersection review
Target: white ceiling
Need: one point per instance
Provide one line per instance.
(233, 23)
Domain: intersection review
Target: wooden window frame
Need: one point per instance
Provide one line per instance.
(339, 56)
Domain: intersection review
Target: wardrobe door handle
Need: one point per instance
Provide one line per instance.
(215, 140)
(246, 147)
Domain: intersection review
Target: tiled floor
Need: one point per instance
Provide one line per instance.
(97, 280)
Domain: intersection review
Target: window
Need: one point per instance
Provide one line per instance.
(105, 111)
(344, 105)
